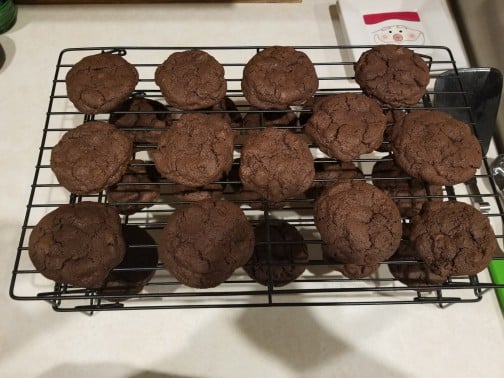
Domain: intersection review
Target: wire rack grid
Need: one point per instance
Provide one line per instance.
(319, 285)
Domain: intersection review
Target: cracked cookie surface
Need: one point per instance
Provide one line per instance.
(289, 254)
(204, 243)
(436, 148)
(278, 77)
(191, 79)
(358, 223)
(453, 238)
(417, 274)
(196, 150)
(78, 244)
(346, 125)
(141, 114)
(395, 75)
(135, 173)
(351, 271)
(276, 164)
(91, 157)
(99, 83)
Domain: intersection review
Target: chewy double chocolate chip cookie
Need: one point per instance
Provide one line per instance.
(191, 79)
(91, 157)
(204, 243)
(278, 77)
(78, 244)
(100, 83)
(196, 150)
(358, 223)
(346, 125)
(276, 164)
(453, 238)
(395, 75)
(436, 148)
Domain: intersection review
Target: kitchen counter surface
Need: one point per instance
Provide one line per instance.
(464, 340)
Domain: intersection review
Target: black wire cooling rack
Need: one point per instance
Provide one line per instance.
(319, 285)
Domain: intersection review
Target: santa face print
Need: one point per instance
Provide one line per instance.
(398, 34)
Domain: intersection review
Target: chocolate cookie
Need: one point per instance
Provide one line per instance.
(416, 274)
(100, 83)
(406, 266)
(453, 238)
(393, 116)
(142, 113)
(289, 254)
(137, 267)
(91, 157)
(204, 243)
(256, 120)
(241, 195)
(306, 111)
(390, 178)
(277, 164)
(78, 244)
(135, 196)
(351, 271)
(393, 74)
(358, 223)
(327, 174)
(227, 108)
(191, 79)
(277, 77)
(347, 125)
(436, 148)
(196, 150)
(186, 193)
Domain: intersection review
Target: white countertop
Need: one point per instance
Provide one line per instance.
(464, 340)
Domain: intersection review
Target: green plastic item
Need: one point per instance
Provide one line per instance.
(496, 269)
(8, 13)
